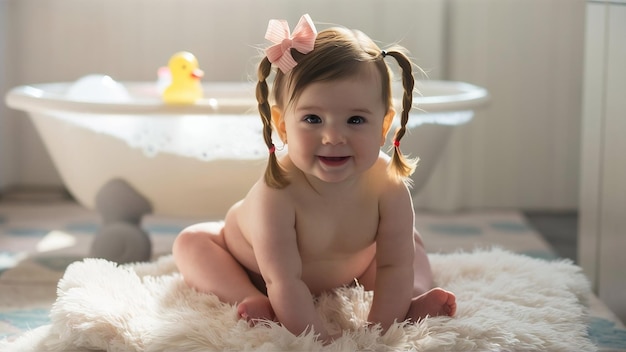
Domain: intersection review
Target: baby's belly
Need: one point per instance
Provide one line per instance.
(322, 271)
(327, 274)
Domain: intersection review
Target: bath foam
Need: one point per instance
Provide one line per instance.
(207, 138)
(506, 302)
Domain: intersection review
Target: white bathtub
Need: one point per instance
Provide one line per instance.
(197, 160)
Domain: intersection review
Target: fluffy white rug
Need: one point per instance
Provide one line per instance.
(506, 302)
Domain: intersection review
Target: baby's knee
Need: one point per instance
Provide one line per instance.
(183, 241)
(195, 237)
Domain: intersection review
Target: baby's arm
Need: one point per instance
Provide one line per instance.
(276, 250)
(393, 288)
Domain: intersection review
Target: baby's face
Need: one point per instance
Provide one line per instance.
(335, 129)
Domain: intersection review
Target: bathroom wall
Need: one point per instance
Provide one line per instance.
(6, 142)
(523, 150)
(520, 152)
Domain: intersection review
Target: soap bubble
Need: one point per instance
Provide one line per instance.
(98, 89)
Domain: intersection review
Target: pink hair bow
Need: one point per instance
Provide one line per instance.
(303, 40)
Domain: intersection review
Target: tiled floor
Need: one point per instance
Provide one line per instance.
(560, 229)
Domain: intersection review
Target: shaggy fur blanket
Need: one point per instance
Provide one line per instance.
(506, 302)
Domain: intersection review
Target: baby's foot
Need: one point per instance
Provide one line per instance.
(433, 303)
(256, 308)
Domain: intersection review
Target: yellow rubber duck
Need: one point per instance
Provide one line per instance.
(184, 87)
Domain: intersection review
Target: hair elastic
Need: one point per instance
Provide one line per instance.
(383, 53)
(272, 149)
(396, 143)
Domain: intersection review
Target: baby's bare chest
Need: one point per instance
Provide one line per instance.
(327, 231)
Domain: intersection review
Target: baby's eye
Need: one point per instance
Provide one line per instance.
(312, 119)
(356, 120)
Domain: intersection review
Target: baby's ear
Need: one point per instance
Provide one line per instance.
(387, 121)
(279, 123)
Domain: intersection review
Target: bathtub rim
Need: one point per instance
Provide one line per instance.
(43, 97)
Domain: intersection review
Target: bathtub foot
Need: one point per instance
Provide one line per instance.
(120, 238)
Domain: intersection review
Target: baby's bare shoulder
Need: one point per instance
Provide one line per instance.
(265, 210)
(263, 196)
(382, 176)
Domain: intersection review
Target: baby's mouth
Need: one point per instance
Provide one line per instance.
(334, 160)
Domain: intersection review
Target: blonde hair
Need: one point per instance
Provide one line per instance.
(336, 55)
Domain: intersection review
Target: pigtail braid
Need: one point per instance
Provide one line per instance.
(274, 175)
(402, 166)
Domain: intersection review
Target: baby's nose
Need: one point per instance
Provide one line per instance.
(333, 136)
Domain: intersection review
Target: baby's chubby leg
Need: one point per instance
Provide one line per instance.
(422, 273)
(427, 301)
(203, 259)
